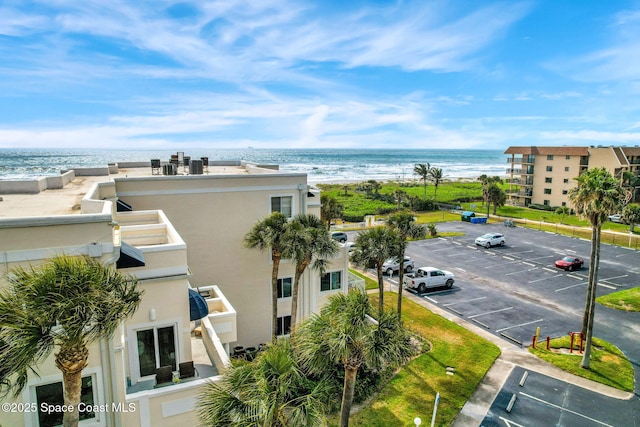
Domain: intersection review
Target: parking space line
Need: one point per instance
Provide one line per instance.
(541, 257)
(528, 263)
(517, 326)
(430, 299)
(461, 269)
(553, 405)
(615, 277)
(607, 286)
(545, 278)
(490, 312)
(506, 257)
(569, 287)
(575, 277)
(462, 302)
(549, 269)
(510, 423)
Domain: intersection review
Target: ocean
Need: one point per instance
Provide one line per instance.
(321, 165)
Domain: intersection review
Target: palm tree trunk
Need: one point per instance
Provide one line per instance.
(274, 297)
(591, 302)
(591, 280)
(400, 280)
(380, 290)
(71, 360)
(294, 292)
(347, 394)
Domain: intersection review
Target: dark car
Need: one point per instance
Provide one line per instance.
(339, 236)
(570, 263)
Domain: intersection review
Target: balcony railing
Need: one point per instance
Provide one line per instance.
(524, 159)
(527, 171)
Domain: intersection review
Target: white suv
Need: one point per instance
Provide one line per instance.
(392, 265)
(490, 239)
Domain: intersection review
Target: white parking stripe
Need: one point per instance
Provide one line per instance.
(490, 312)
(431, 299)
(545, 278)
(517, 326)
(553, 405)
(506, 257)
(510, 423)
(549, 269)
(607, 286)
(461, 269)
(575, 277)
(528, 263)
(616, 277)
(569, 287)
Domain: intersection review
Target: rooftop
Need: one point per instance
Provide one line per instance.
(39, 197)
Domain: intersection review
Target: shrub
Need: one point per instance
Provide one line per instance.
(541, 207)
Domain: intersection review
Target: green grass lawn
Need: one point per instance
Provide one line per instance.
(412, 391)
(627, 300)
(608, 364)
(369, 283)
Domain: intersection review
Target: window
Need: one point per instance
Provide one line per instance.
(156, 348)
(549, 168)
(566, 168)
(52, 394)
(546, 202)
(549, 156)
(564, 203)
(331, 281)
(284, 287)
(284, 325)
(565, 191)
(547, 191)
(547, 180)
(568, 157)
(566, 180)
(282, 204)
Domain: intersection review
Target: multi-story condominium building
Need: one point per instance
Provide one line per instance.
(181, 236)
(544, 175)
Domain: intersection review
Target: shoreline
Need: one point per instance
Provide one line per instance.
(386, 181)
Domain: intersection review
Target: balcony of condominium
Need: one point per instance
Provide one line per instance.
(520, 171)
(521, 160)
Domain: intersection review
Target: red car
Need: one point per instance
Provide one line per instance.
(570, 263)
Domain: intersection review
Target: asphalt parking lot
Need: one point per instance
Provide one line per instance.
(512, 290)
(532, 399)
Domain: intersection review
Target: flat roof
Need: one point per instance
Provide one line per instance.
(67, 200)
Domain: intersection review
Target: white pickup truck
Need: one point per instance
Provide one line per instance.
(428, 277)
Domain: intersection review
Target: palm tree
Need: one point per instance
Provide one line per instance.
(344, 333)
(66, 304)
(306, 241)
(495, 196)
(330, 208)
(597, 195)
(405, 224)
(631, 215)
(631, 181)
(269, 234)
(272, 390)
(374, 247)
(488, 182)
(399, 195)
(435, 175)
(422, 170)
(562, 211)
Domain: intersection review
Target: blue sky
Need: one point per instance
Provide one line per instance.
(318, 74)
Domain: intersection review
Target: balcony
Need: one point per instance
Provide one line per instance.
(521, 160)
(517, 171)
(208, 349)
